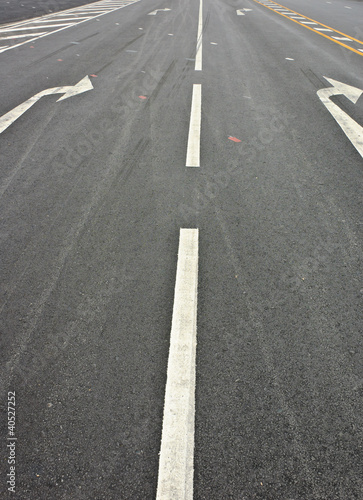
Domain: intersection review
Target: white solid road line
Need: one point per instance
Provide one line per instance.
(10, 30)
(198, 56)
(13, 37)
(193, 148)
(175, 480)
(67, 20)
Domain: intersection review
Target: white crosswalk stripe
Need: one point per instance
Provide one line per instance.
(52, 23)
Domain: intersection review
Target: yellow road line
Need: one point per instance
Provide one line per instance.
(314, 30)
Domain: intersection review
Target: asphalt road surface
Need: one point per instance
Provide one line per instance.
(173, 173)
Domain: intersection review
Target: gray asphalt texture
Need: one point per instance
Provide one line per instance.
(93, 193)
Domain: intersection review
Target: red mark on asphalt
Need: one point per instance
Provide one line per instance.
(59, 59)
(94, 76)
(142, 97)
(32, 46)
(234, 139)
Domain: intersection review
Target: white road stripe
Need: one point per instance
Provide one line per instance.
(175, 480)
(198, 56)
(95, 13)
(322, 29)
(342, 38)
(25, 28)
(193, 149)
(53, 20)
(12, 37)
(75, 15)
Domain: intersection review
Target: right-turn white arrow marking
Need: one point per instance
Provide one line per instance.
(10, 117)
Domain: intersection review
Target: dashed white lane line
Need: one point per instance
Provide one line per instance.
(175, 479)
(193, 148)
(342, 38)
(198, 56)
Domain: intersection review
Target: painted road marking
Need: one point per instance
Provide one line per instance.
(175, 479)
(7, 30)
(154, 12)
(12, 37)
(198, 55)
(193, 149)
(83, 86)
(241, 12)
(350, 127)
(320, 31)
(343, 38)
(74, 16)
(57, 20)
(60, 20)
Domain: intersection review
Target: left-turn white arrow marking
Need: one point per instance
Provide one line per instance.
(350, 127)
(10, 117)
(154, 12)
